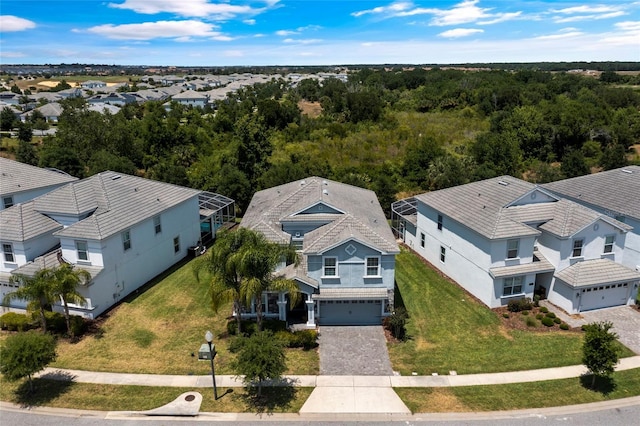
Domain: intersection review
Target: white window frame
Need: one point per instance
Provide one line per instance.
(325, 267)
(577, 247)
(609, 243)
(423, 239)
(84, 250)
(513, 283)
(176, 244)
(7, 251)
(443, 254)
(511, 249)
(7, 201)
(368, 269)
(157, 224)
(126, 239)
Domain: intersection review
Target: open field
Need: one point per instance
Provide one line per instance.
(449, 330)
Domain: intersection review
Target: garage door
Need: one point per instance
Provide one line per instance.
(350, 312)
(604, 296)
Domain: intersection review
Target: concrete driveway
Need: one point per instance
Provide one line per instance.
(353, 351)
(626, 323)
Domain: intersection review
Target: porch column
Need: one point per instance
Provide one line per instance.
(282, 307)
(311, 319)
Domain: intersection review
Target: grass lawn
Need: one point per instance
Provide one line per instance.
(449, 330)
(520, 395)
(86, 396)
(158, 331)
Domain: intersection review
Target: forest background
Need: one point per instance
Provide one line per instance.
(396, 131)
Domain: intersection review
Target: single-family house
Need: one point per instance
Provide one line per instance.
(20, 182)
(113, 98)
(347, 250)
(615, 193)
(10, 98)
(503, 239)
(93, 85)
(124, 230)
(51, 112)
(191, 98)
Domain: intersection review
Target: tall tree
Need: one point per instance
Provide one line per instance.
(36, 290)
(599, 351)
(66, 280)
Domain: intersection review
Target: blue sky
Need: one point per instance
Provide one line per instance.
(307, 32)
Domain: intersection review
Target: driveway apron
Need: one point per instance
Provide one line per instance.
(353, 351)
(626, 323)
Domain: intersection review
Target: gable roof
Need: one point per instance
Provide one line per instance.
(16, 177)
(22, 222)
(612, 190)
(115, 201)
(362, 216)
(191, 94)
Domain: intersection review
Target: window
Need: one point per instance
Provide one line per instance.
(512, 248)
(176, 244)
(512, 285)
(330, 267)
(126, 240)
(83, 252)
(422, 238)
(443, 253)
(373, 267)
(577, 247)
(157, 225)
(7, 250)
(609, 240)
(440, 222)
(7, 201)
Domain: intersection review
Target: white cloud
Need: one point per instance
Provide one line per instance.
(6, 54)
(10, 23)
(299, 30)
(560, 35)
(249, 21)
(464, 12)
(187, 8)
(180, 30)
(286, 33)
(586, 9)
(586, 13)
(302, 41)
(460, 32)
(577, 18)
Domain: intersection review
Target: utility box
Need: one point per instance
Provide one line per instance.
(204, 354)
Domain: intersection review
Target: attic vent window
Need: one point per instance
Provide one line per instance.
(503, 183)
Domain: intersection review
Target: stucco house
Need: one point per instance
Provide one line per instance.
(124, 230)
(346, 246)
(503, 239)
(51, 112)
(20, 182)
(191, 98)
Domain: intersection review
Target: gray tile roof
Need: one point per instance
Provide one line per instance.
(360, 214)
(480, 206)
(118, 201)
(539, 265)
(596, 272)
(16, 177)
(351, 293)
(22, 222)
(615, 190)
(299, 272)
(52, 260)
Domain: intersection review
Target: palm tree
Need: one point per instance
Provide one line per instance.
(36, 290)
(66, 280)
(258, 263)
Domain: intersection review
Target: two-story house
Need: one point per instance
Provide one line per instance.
(504, 238)
(20, 182)
(123, 229)
(347, 250)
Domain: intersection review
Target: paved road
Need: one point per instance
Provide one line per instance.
(353, 351)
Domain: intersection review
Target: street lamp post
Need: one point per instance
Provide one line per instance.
(212, 354)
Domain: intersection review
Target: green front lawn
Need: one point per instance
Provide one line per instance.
(160, 330)
(449, 330)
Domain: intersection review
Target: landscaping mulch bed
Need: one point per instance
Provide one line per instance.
(518, 321)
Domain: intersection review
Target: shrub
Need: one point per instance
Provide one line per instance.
(544, 309)
(525, 313)
(396, 323)
(56, 323)
(519, 305)
(78, 325)
(505, 315)
(557, 320)
(536, 300)
(564, 326)
(274, 325)
(550, 315)
(539, 316)
(531, 322)
(14, 321)
(547, 321)
(248, 327)
(305, 339)
(235, 344)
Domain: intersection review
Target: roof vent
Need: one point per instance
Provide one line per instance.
(503, 183)
(324, 182)
(303, 183)
(627, 171)
(115, 177)
(325, 192)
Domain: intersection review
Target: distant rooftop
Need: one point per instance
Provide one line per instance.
(16, 177)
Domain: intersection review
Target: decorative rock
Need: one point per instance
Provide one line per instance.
(187, 404)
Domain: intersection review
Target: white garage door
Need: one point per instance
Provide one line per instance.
(350, 312)
(604, 296)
